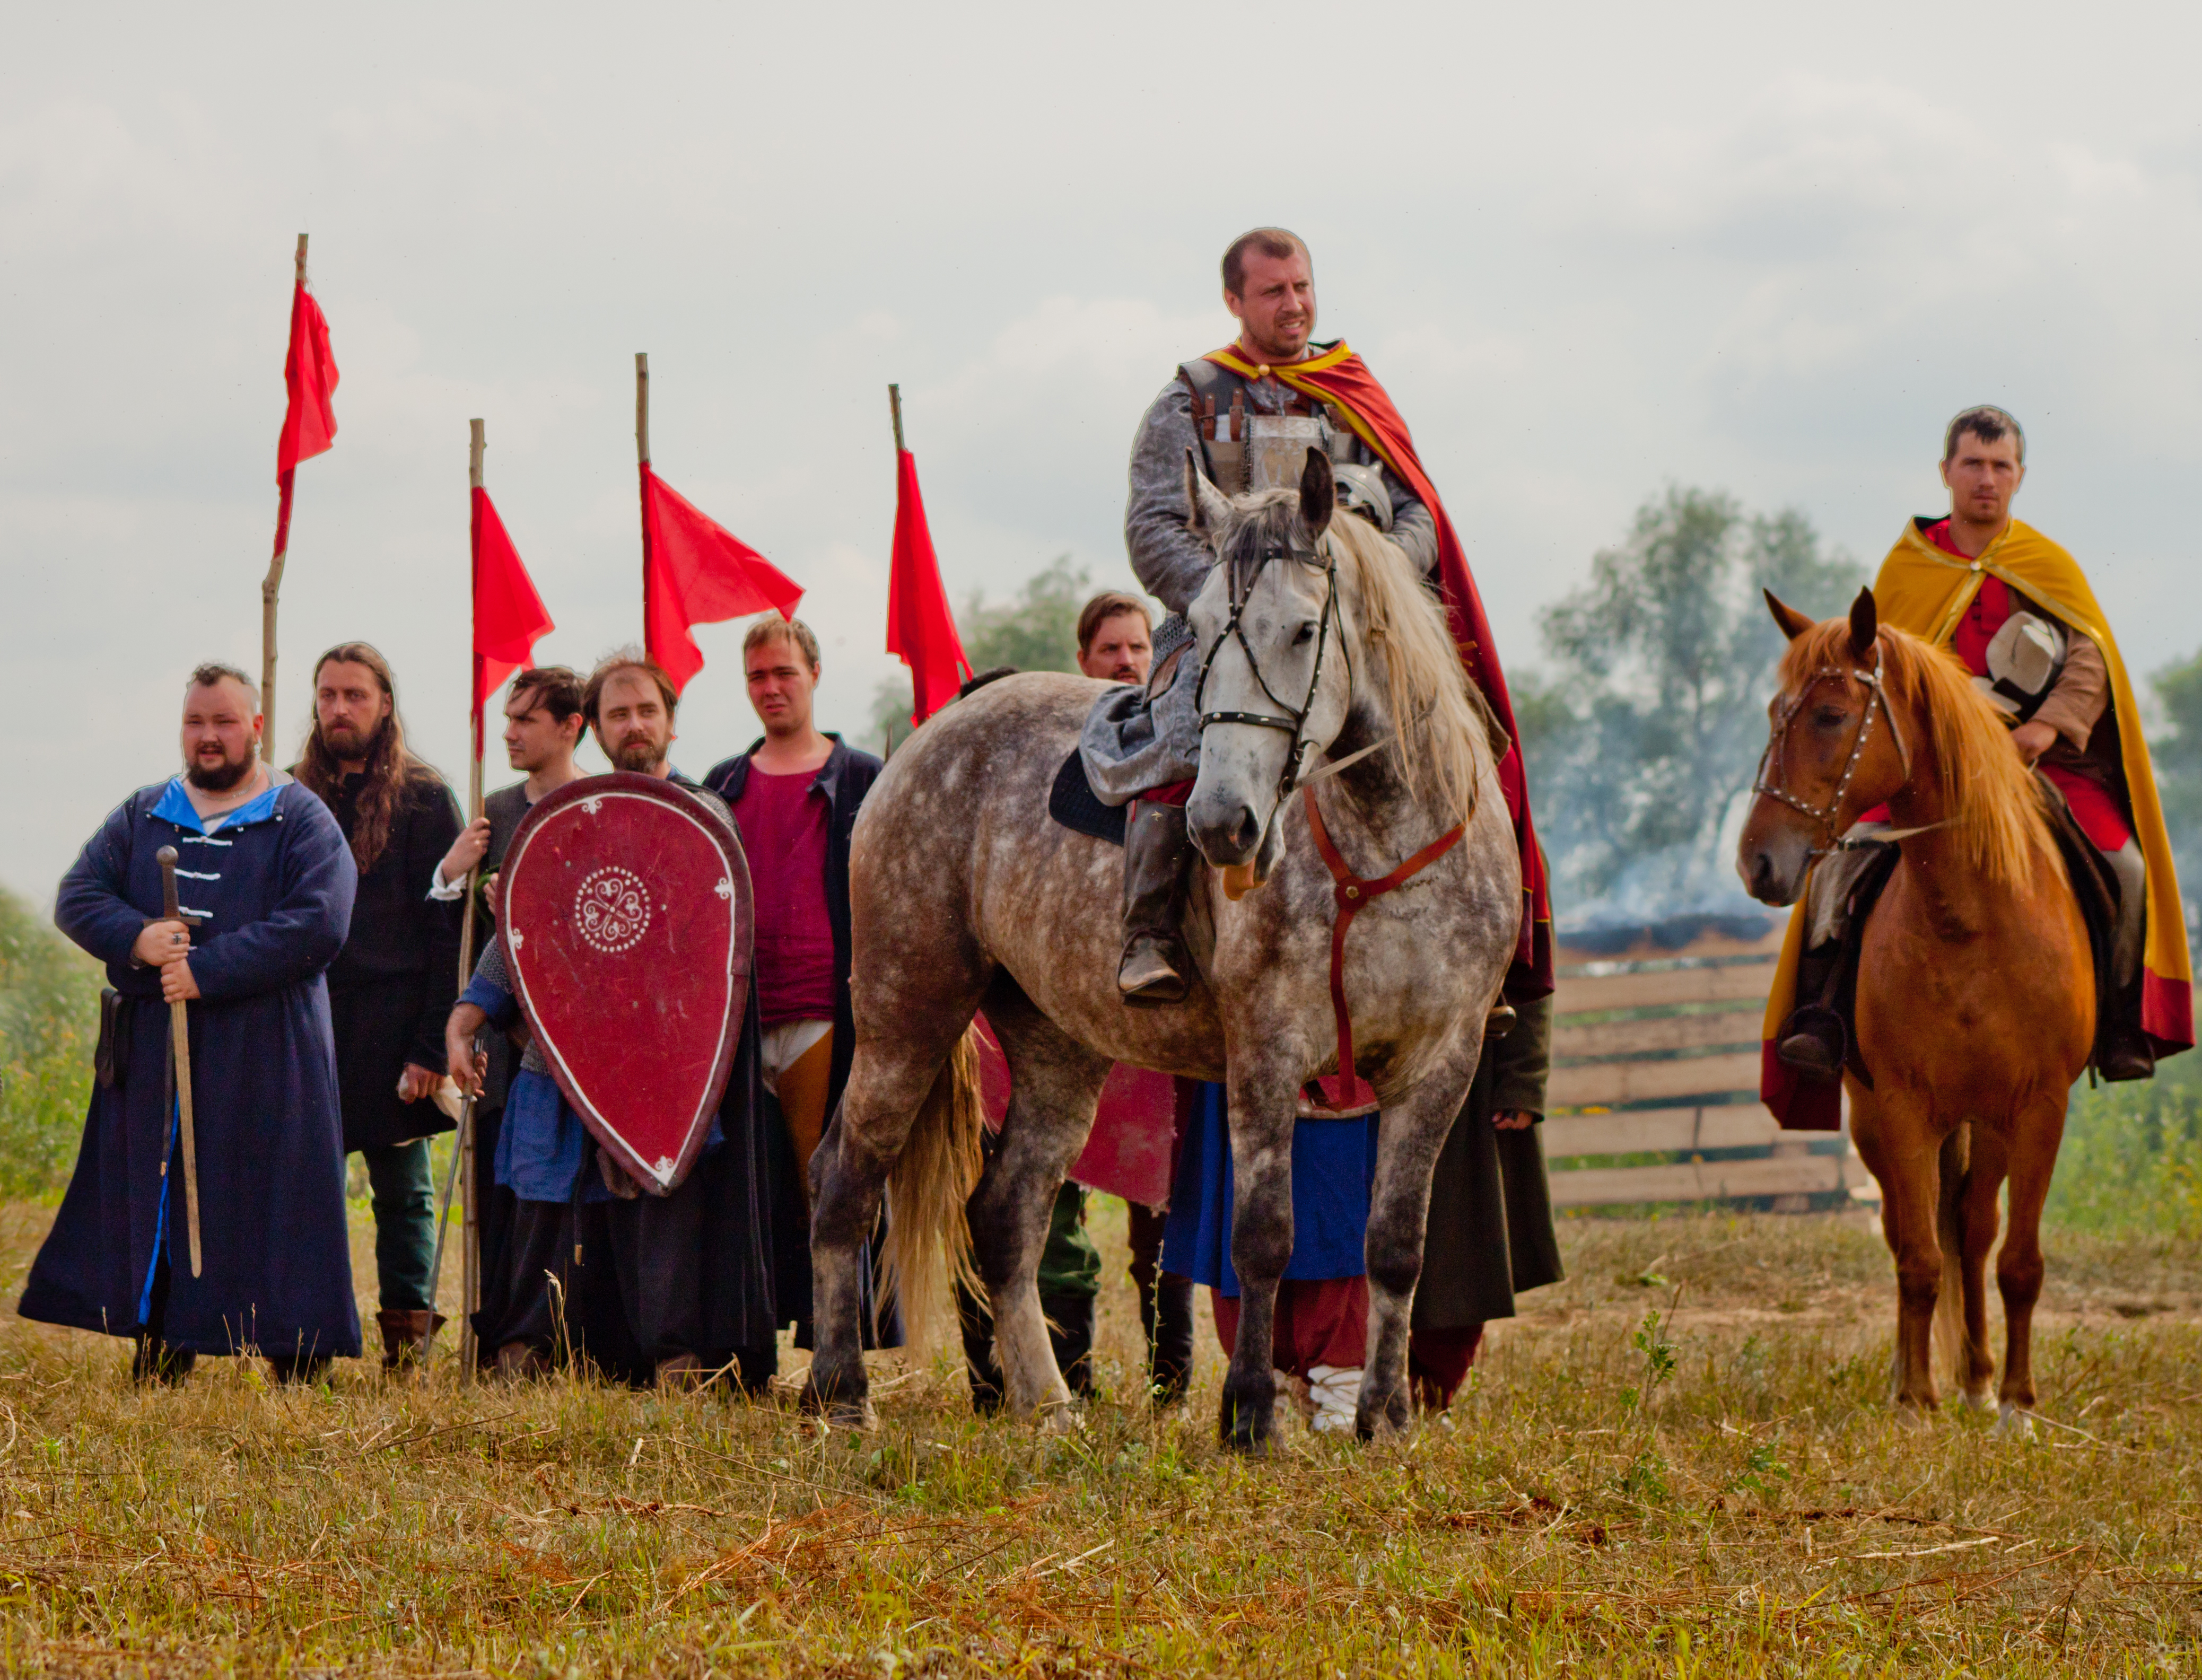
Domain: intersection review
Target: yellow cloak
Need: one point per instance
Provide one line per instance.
(1926, 591)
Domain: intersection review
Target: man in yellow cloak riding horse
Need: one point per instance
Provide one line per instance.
(2017, 611)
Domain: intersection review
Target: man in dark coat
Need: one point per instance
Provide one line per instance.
(666, 1289)
(1491, 1234)
(267, 883)
(543, 725)
(390, 991)
(794, 795)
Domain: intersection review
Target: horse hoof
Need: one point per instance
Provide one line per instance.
(838, 1410)
(2013, 1424)
(1390, 1420)
(1060, 1418)
(1245, 1428)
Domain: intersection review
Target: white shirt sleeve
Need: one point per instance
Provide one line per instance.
(443, 891)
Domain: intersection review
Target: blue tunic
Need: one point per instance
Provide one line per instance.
(1333, 1175)
(274, 886)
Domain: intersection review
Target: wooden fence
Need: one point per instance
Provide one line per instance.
(1655, 1053)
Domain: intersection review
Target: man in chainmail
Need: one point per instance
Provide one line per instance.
(1143, 745)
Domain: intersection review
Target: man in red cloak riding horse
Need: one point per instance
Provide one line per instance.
(1248, 414)
(2018, 610)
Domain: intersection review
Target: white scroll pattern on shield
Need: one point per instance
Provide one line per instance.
(611, 910)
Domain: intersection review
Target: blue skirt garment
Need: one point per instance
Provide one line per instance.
(1334, 1174)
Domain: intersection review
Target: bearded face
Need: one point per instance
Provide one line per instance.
(634, 726)
(639, 748)
(349, 708)
(220, 735)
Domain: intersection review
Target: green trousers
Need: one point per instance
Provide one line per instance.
(404, 1201)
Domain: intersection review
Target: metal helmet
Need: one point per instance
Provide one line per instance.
(1361, 490)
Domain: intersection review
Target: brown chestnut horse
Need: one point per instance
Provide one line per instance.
(1975, 988)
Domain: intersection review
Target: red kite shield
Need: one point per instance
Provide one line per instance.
(626, 923)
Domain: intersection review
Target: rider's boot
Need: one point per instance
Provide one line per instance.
(1155, 967)
(1813, 1039)
(2125, 1052)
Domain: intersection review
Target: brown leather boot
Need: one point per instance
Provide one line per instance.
(680, 1371)
(1155, 969)
(406, 1336)
(517, 1361)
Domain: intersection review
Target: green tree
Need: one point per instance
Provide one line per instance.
(1037, 629)
(2178, 755)
(1647, 729)
(49, 1022)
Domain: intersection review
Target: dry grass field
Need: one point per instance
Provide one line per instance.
(1679, 1462)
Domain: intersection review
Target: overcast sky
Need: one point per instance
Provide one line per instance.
(1590, 250)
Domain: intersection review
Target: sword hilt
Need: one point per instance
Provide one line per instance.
(171, 906)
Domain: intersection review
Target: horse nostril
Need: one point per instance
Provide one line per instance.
(1242, 829)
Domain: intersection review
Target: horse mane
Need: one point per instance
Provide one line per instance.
(1443, 745)
(1993, 801)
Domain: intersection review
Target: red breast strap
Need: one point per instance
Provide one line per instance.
(1346, 1091)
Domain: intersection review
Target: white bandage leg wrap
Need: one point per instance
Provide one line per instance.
(1335, 1390)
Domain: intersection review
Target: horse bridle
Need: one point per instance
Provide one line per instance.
(1294, 720)
(1876, 700)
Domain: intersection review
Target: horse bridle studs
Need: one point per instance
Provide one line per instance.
(1876, 700)
(1294, 720)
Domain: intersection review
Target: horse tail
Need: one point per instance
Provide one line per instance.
(1949, 1232)
(929, 1245)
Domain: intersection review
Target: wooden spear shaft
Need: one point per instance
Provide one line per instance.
(894, 407)
(270, 586)
(642, 460)
(460, 1174)
(470, 1240)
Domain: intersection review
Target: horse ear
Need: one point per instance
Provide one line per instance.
(1318, 492)
(1865, 624)
(1207, 509)
(1793, 623)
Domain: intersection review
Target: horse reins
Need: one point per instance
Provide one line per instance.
(1876, 702)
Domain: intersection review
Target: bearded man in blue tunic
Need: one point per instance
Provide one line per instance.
(266, 885)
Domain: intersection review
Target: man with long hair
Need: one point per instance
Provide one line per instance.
(390, 990)
(265, 889)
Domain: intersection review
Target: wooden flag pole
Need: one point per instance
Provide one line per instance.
(894, 407)
(642, 460)
(460, 1177)
(470, 1242)
(270, 586)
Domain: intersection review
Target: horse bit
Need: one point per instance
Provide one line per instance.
(1295, 720)
(1876, 700)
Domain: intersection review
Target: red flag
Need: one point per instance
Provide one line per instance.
(309, 422)
(920, 631)
(509, 616)
(694, 571)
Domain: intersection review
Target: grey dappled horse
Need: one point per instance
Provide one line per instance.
(967, 896)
